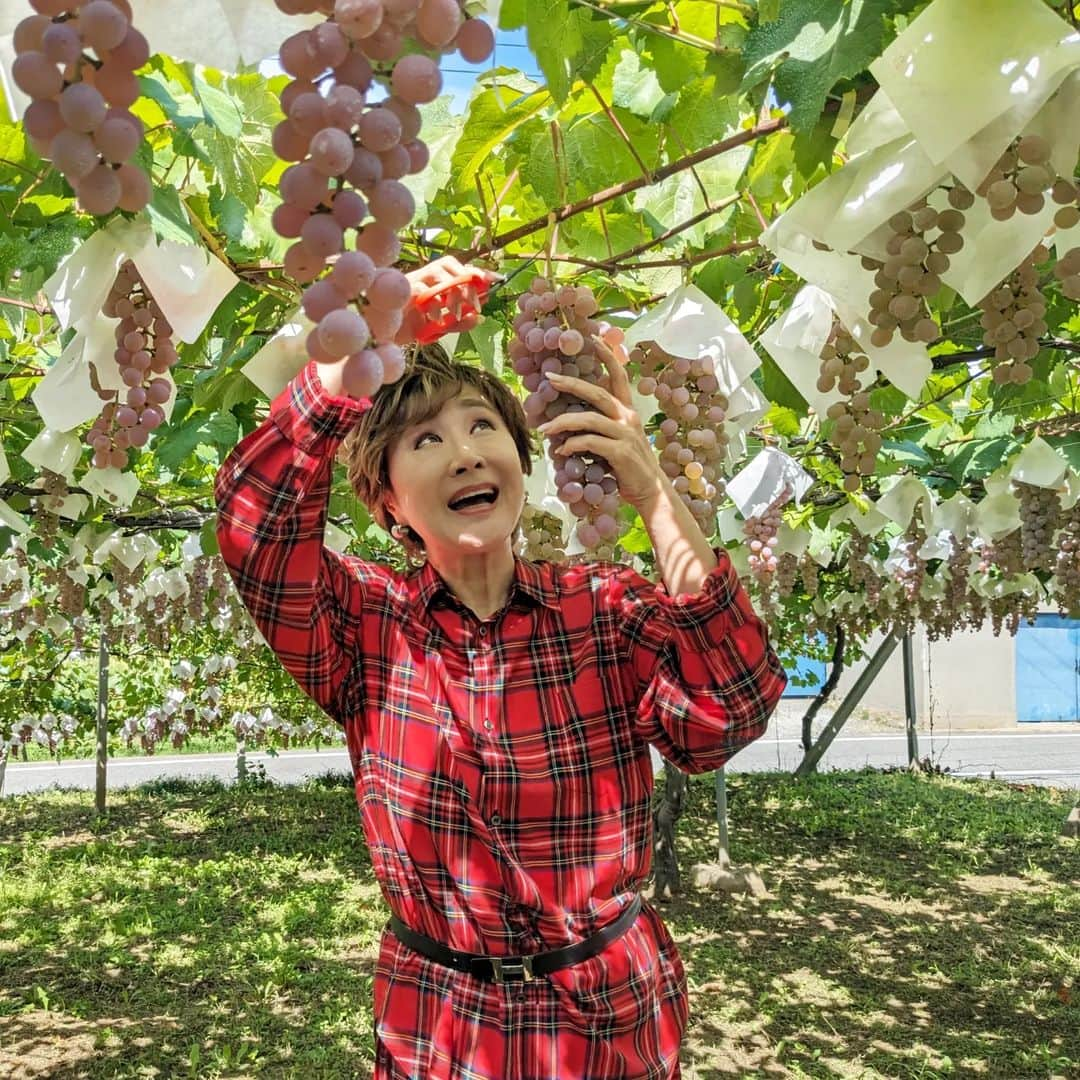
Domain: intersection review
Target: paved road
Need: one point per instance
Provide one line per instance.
(1043, 757)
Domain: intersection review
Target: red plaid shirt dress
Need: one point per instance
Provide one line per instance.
(502, 768)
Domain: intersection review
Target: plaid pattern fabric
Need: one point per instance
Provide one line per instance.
(501, 767)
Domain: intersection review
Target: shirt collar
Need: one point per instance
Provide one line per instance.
(529, 584)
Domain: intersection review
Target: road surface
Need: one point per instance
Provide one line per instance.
(1049, 757)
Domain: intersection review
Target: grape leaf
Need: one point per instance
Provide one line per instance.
(813, 45)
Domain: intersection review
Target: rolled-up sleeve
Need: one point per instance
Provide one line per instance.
(706, 677)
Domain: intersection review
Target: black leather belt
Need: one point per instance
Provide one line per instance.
(503, 969)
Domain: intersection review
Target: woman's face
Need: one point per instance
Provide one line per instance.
(456, 479)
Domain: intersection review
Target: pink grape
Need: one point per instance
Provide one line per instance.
(379, 129)
(288, 142)
(136, 397)
(301, 264)
(393, 362)
(139, 436)
(82, 107)
(304, 186)
(126, 416)
(117, 84)
(384, 44)
(343, 332)
(135, 188)
(331, 151)
(365, 171)
(348, 209)
(419, 156)
(99, 190)
(297, 56)
(29, 33)
(353, 273)
(320, 298)
(358, 18)
(132, 52)
(381, 243)
(392, 204)
(384, 323)
(389, 289)
(288, 220)
(35, 75)
(159, 391)
(62, 44)
(117, 138)
(355, 71)
(475, 41)
(344, 107)
(74, 154)
(408, 115)
(308, 113)
(362, 373)
(102, 25)
(416, 79)
(329, 44)
(438, 22)
(395, 162)
(322, 235)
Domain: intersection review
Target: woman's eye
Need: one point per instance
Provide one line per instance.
(483, 420)
(423, 438)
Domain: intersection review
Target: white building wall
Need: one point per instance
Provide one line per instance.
(968, 680)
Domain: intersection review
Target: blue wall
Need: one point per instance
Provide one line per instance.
(1048, 670)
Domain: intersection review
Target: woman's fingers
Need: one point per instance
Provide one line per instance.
(583, 421)
(620, 381)
(607, 403)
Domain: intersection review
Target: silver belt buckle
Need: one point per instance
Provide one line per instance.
(520, 965)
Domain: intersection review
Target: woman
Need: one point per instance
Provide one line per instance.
(498, 712)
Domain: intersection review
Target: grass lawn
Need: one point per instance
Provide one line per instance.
(917, 927)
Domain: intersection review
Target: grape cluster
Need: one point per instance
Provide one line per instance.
(1014, 319)
(1040, 516)
(809, 575)
(144, 353)
(856, 430)
(762, 532)
(1066, 193)
(1020, 179)
(911, 272)
(542, 533)
(553, 331)
(861, 573)
(1067, 564)
(76, 60)
(47, 520)
(787, 572)
(692, 439)
(349, 154)
(1005, 554)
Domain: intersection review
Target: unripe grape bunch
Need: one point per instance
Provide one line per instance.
(1040, 516)
(691, 439)
(1014, 319)
(553, 331)
(543, 536)
(1067, 564)
(763, 534)
(1020, 179)
(76, 60)
(144, 353)
(918, 253)
(856, 430)
(1066, 193)
(343, 202)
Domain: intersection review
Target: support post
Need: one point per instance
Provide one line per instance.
(910, 710)
(847, 706)
(102, 720)
(3, 769)
(241, 761)
(721, 816)
(666, 877)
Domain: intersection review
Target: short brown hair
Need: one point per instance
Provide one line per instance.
(431, 378)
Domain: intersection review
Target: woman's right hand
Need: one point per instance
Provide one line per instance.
(437, 277)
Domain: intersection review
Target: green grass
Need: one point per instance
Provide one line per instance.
(917, 927)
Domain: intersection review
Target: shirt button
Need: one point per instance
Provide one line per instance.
(488, 725)
(483, 631)
(496, 820)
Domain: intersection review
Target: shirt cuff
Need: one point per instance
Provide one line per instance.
(719, 591)
(312, 419)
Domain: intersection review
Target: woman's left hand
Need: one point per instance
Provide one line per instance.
(614, 432)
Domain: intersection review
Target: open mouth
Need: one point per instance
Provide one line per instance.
(474, 499)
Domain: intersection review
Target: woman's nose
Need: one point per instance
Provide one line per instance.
(466, 457)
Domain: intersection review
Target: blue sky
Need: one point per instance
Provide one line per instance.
(510, 51)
